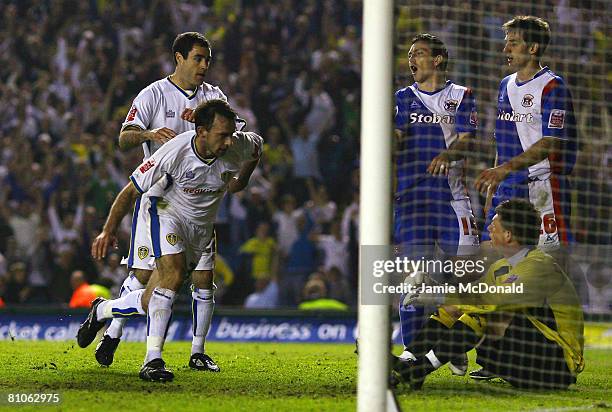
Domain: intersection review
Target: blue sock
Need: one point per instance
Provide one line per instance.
(411, 321)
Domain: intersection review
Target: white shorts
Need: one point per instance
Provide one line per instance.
(171, 234)
(154, 235)
(141, 252)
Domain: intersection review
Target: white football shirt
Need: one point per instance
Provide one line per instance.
(161, 104)
(197, 184)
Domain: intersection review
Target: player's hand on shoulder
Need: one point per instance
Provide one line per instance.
(188, 115)
(101, 244)
(161, 134)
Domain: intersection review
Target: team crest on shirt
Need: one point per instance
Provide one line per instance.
(143, 252)
(189, 174)
(170, 113)
(451, 105)
(527, 100)
(557, 119)
(172, 238)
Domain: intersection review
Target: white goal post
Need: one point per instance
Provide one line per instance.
(375, 194)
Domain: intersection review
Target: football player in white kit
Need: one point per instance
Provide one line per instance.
(160, 112)
(196, 168)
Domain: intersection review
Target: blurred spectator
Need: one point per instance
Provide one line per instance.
(265, 295)
(335, 249)
(285, 220)
(110, 271)
(17, 289)
(599, 281)
(2, 290)
(315, 297)
(262, 248)
(84, 293)
(322, 208)
(338, 287)
(300, 262)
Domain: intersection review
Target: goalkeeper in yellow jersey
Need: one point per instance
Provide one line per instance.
(528, 326)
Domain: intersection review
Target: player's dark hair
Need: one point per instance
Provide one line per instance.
(438, 48)
(532, 28)
(205, 113)
(522, 219)
(184, 42)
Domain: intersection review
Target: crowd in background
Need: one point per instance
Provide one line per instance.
(70, 69)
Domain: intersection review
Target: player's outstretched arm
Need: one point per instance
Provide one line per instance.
(122, 204)
(536, 153)
(132, 136)
(240, 182)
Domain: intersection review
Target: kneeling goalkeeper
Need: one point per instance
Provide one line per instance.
(533, 339)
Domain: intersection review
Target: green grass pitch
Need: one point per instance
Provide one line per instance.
(262, 377)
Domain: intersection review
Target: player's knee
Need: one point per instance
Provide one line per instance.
(143, 275)
(202, 279)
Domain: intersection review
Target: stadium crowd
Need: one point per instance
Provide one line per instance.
(292, 70)
(67, 81)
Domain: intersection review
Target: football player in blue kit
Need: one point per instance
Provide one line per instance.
(435, 121)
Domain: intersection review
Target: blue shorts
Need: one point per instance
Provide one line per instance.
(420, 226)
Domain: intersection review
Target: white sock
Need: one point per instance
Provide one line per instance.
(158, 320)
(202, 308)
(433, 359)
(127, 306)
(130, 284)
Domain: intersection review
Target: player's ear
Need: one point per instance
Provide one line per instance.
(438, 61)
(534, 49)
(508, 238)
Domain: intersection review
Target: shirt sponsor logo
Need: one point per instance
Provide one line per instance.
(199, 190)
(557, 119)
(432, 118)
(146, 166)
(132, 114)
(170, 113)
(527, 100)
(515, 117)
(451, 105)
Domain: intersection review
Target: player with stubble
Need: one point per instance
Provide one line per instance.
(535, 134)
(202, 165)
(160, 112)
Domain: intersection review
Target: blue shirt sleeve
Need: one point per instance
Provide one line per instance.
(557, 111)
(401, 110)
(466, 119)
